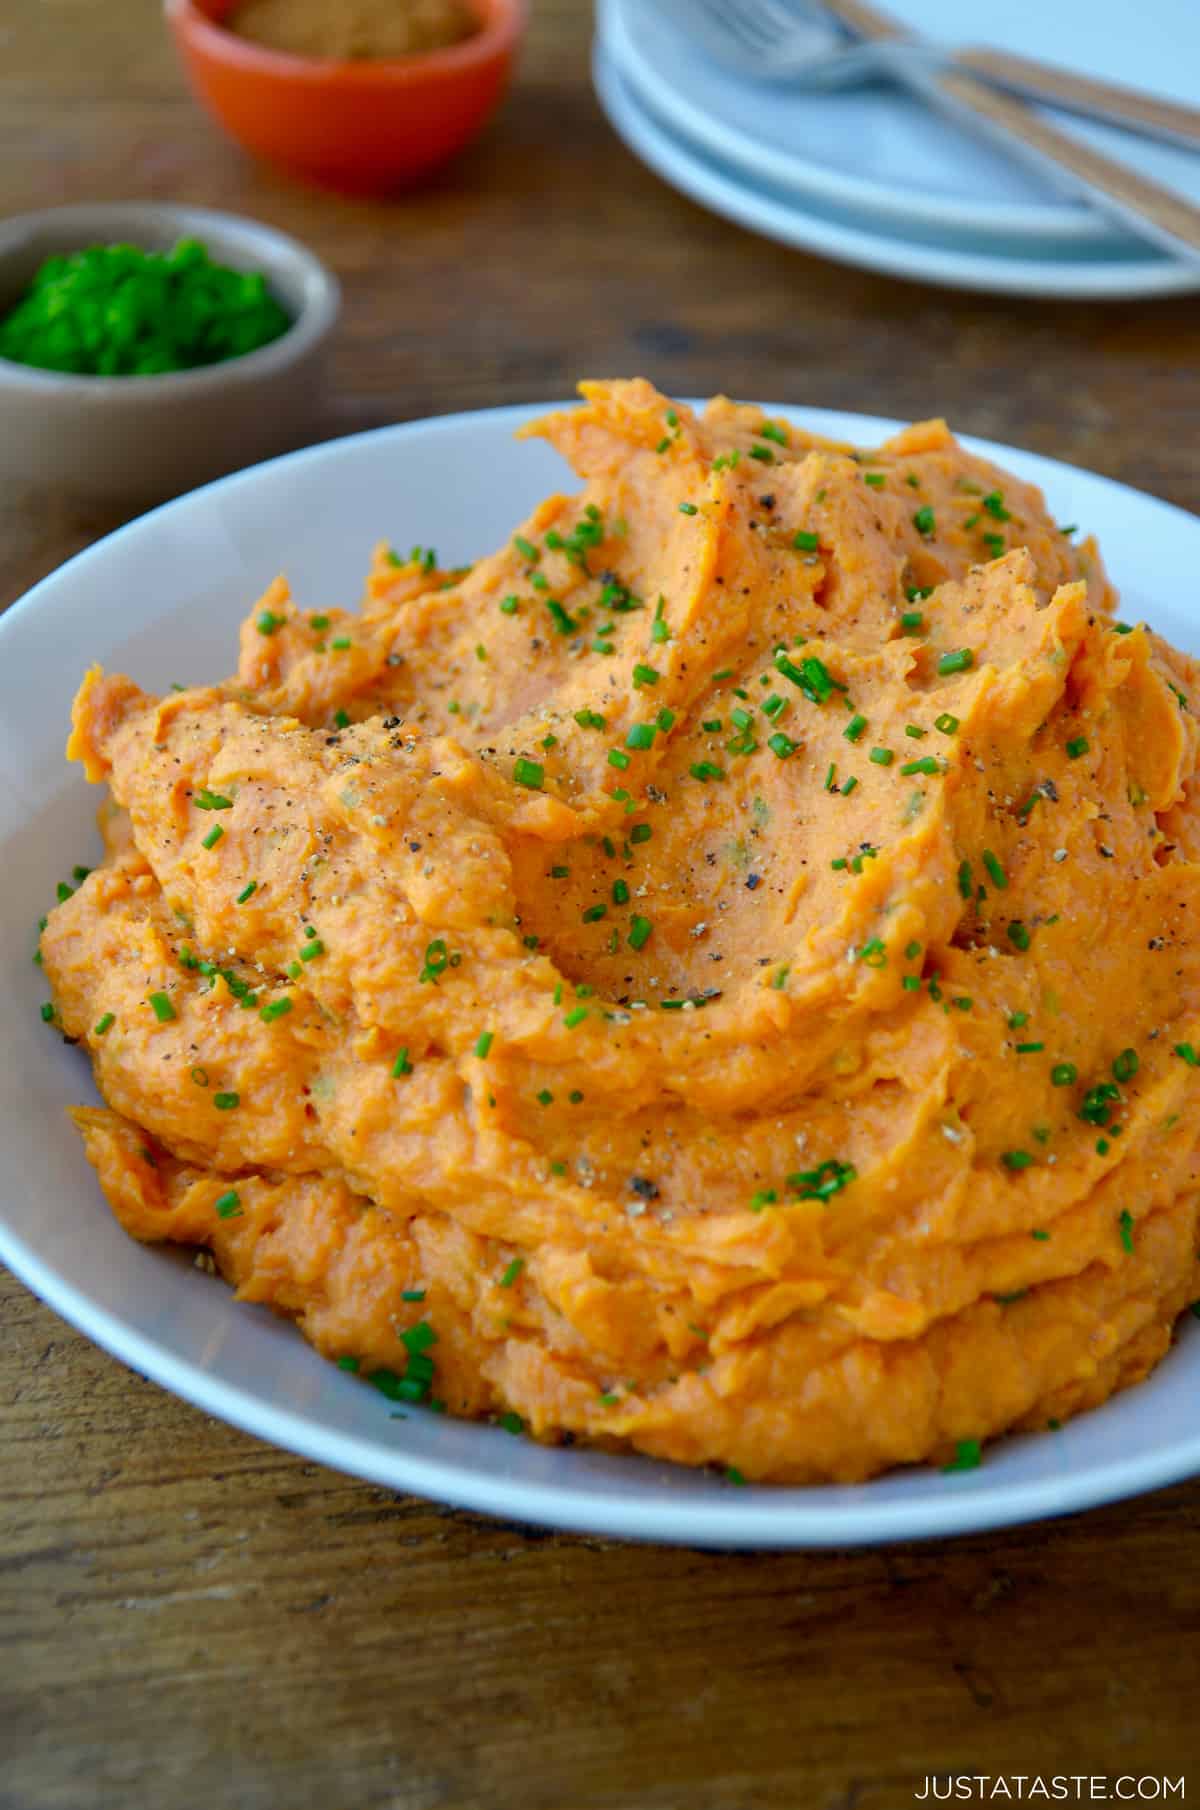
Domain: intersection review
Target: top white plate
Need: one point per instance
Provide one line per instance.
(1122, 271)
(878, 151)
(162, 599)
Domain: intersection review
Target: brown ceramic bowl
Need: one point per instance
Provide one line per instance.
(364, 127)
(140, 439)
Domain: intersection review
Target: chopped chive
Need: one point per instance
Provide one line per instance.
(848, 785)
(1016, 1159)
(162, 1008)
(205, 800)
(915, 732)
(805, 541)
(267, 622)
(854, 727)
(526, 549)
(811, 675)
(665, 720)
(641, 735)
(312, 950)
(994, 504)
(926, 764)
(831, 777)
(563, 621)
(278, 1008)
(594, 913)
(213, 837)
(48, 1011)
(923, 521)
(1077, 746)
(1125, 1222)
(912, 621)
(104, 1024)
(1019, 934)
(763, 454)
(483, 1044)
(575, 1016)
(340, 643)
(967, 1456)
(248, 891)
(781, 745)
(641, 832)
(999, 877)
(1029, 1049)
(639, 932)
(1063, 1074)
(401, 1066)
(620, 893)
(946, 723)
(882, 757)
(529, 773)
(617, 758)
(228, 1205)
(645, 675)
(1188, 1053)
(688, 509)
(960, 661)
(319, 623)
(512, 1272)
(226, 1102)
(770, 431)
(706, 770)
(508, 606)
(1126, 1066)
(876, 479)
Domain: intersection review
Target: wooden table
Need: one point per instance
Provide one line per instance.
(188, 1617)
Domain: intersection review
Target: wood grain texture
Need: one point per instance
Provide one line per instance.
(189, 1618)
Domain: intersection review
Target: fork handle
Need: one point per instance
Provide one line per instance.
(1084, 94)
(1144, 206)
(1140, 205)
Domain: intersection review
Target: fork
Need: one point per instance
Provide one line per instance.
(778, 41)
(769, 39)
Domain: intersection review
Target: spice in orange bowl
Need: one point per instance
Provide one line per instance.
(320, 89)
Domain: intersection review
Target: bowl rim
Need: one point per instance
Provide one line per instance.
(318, 311)
(503, 25)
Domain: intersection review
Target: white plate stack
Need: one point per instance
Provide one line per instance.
(872, 177)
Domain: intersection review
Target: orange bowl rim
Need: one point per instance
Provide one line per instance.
(504, 24)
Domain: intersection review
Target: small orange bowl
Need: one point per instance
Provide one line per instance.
(363, 127)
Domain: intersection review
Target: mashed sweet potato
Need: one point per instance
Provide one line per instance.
(718, 977)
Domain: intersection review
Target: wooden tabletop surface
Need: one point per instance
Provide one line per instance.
(189, 1617)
